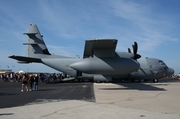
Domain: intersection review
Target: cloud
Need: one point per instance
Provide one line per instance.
(146, 27)
(58, 19)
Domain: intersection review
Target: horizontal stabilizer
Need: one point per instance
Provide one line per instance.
(30, 43)
(23, 62)
(31, 35)
(25, 59)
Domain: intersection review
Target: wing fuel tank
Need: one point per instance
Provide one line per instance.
(106, 66)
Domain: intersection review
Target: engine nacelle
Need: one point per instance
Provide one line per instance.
(106, 66)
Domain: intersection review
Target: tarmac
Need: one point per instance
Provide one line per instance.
(92, 101)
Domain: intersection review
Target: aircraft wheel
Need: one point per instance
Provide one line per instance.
(155, 80)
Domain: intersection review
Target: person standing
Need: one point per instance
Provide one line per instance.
(24, 82)
(1, 77)
(36, 82)
(31, 81)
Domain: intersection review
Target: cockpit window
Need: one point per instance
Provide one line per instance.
(161, 62)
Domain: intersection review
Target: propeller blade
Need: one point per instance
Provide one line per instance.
(135, 47)
(129, 50)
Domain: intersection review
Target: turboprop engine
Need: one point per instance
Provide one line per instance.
(106, 66)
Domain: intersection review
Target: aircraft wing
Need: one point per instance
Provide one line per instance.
(100, 48)
(23, 59)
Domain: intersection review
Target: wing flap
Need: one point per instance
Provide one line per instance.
(100, 48)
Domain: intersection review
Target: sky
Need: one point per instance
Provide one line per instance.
(66, 24)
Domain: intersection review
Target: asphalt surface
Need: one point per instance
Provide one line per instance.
(92, 101)
(11, 95)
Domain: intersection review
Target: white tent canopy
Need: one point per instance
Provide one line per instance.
(21, 71)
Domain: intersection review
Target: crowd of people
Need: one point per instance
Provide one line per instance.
(43, 77)
(31, 80)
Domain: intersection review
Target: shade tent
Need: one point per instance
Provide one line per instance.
(2, 72)
(21, 71)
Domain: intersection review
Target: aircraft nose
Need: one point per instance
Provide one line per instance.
(170, 71)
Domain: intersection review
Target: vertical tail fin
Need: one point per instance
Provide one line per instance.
(35, 45)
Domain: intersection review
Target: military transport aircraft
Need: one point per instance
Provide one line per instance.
(100, 61)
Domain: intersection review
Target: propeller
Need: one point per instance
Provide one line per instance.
(135, 48)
